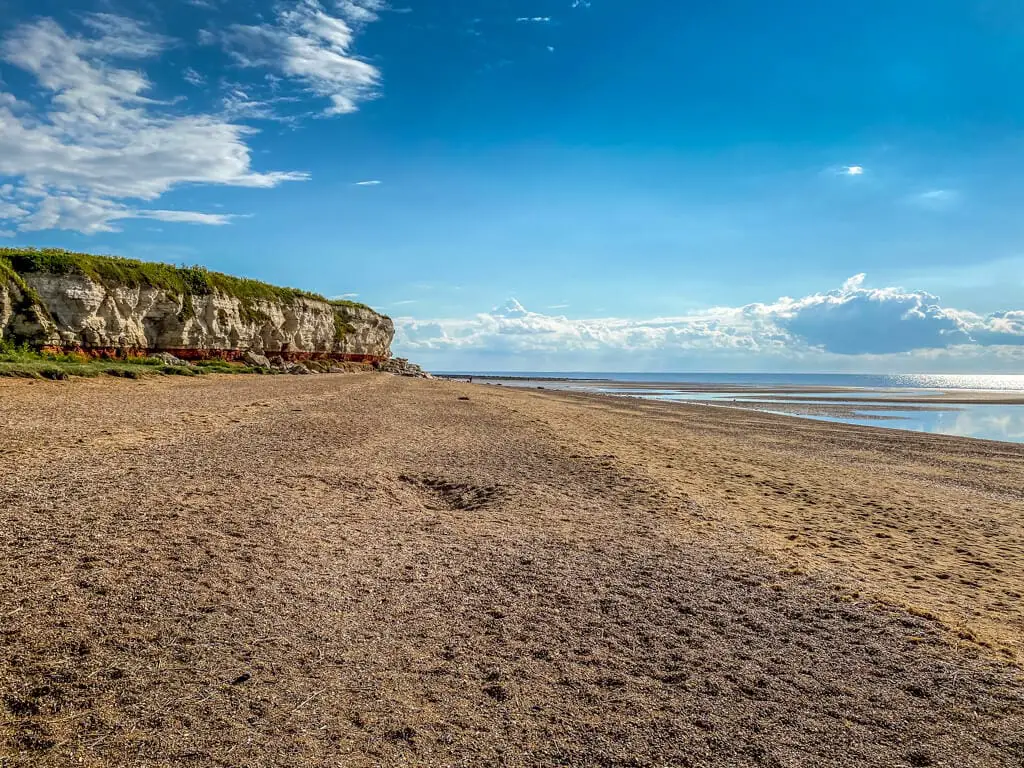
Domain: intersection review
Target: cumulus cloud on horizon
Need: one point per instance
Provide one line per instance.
(853, 320)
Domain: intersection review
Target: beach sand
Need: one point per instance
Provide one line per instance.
(368, 570)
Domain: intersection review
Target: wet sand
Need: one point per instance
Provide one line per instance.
(366, 570)
(830, 410)
(829, 402)
(906, 396)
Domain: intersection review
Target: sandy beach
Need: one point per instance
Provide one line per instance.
(368, 570)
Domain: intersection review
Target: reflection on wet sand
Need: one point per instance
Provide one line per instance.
(989, 415)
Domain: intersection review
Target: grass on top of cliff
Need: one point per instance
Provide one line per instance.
(23, 362)
(113, 270)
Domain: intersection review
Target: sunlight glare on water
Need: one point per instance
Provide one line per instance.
(1003, 382)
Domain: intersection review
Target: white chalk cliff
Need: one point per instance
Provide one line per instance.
(75, 311)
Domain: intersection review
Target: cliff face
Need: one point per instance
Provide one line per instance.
(85, 303)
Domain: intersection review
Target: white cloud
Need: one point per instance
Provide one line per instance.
(851, 321)
(237, 104)
(534, 19)
(369, 183)
(186, 217)
(360, 11)
(853, 170)
(96, 215)
(859, 320)
(510, 309)
(192, 77)
(344, 296)
(308, 45)
(119, 36)
(95, 143)
(12, 210)
(936, 199)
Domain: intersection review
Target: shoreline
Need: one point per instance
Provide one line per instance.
(946, 396)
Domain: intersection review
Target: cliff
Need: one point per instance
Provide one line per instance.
(101, 304)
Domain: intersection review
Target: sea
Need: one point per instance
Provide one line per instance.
(980, 421)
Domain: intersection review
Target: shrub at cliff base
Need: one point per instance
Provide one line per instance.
(23, 362)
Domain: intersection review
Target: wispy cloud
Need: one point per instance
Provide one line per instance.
(185, 217)
(122, 36)
(360, 11)
(369, 183)
(534, 19)
(853, 170)
(237, 102)
(192, 77)
(935, 199)
(94, 143)
(309, 46)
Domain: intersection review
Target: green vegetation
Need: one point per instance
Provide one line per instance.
(344, 304)
(29, 304)
(27, 363)
(342, 326)
(111, 270)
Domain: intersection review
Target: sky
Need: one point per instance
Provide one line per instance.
(567, 185)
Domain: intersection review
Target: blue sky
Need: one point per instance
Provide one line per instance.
(654, 185)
